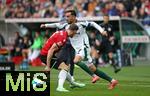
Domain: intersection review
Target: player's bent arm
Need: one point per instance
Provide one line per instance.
(50, 53)
(99, 28)
(95, 25)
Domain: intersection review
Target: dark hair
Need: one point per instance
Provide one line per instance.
(73, 12)
(73, 27)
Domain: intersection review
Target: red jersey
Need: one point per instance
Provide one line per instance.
(59, 37)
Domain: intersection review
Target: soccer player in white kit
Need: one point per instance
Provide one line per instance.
(80, 43)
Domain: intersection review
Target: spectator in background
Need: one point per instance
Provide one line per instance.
(26, 42)
(30, 53)
(113, 11)
(17, 48)
(30, 37)
(50, 12)
(121, 9)
(25, 46)
(59, 9)
(34, 50)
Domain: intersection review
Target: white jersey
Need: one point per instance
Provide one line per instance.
(80, 41)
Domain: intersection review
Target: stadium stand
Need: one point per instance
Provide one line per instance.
(138, 9)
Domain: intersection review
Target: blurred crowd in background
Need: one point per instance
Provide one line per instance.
(29, 45)
(138, 9)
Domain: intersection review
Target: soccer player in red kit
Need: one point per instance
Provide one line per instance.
(54, 44)
(49, 52)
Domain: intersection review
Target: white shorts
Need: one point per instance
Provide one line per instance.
(85, 54)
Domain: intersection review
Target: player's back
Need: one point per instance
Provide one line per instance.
(58, 37)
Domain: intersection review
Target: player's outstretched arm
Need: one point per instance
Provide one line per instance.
(99, 28)
(50, 25)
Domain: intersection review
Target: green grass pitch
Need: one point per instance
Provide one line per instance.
(133, 81)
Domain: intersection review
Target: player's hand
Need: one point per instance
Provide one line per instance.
(97, 42)
(111, 38)
(42, 26)
(47, 68)
(104, 33)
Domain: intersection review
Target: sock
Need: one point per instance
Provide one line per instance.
(62, 77)
(72, 78)
(113, 80)
(103, 75)
(69, 78)
(71, 69)
(112, 62)
(85, 68)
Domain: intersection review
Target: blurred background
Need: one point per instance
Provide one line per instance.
(20, 25)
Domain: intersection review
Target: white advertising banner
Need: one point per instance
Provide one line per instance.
(135, 39)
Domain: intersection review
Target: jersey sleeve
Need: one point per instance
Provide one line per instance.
(56, 25)
(96, 26)
(85, 24)
(93, 24)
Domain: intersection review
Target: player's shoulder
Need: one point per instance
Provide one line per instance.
(61, 32)
(82, 23)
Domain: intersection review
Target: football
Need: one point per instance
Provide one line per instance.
(37, 83)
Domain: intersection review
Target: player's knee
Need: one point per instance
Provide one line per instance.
(77, 59)
(92, 68)
(63, 66)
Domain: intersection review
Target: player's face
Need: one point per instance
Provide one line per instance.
(106, 19)
(70, 18)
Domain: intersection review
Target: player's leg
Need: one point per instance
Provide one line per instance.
(73, 83)
(72, 70)
(63, 66)
(95, 56)
(109, 51)
(62, 74)
(78, 60)
(96, 70)
(35, 53)
(112, 62)
(70, 60)
(62, 77)
(100, 73)
(63, 56)
(103, 75)
(82, 65)
(70, 77)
